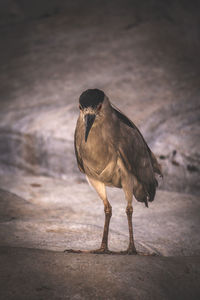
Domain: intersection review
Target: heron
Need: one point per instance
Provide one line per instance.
(111, 151)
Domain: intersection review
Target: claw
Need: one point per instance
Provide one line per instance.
(72, 251)
(129, 251)
(96, 251)
(101, 251)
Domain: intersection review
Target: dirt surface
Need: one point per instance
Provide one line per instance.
(52, 275)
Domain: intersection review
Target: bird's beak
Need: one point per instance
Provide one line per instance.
(89, 120)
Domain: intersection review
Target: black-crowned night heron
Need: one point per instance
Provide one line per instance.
(111, 151)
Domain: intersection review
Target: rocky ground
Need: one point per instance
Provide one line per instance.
(52, 275)
(146, 59)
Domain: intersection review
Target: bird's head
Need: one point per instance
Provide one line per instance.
(90, 105)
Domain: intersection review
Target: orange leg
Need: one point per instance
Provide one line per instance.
(104, 243)
(131, 248)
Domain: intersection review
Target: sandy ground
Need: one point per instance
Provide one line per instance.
(53, 275)
(54, 215)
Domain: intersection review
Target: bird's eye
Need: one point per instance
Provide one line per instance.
(80, 107)
(99, 107)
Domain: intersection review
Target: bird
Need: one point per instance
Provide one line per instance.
(111, 151)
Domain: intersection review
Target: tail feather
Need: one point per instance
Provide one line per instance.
(152, 191)
(145, 192)
(156, 166)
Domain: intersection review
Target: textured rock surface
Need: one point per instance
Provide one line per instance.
(173, 132)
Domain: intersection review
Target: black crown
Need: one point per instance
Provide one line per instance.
(91, 98)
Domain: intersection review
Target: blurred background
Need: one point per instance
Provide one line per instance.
(143, 54)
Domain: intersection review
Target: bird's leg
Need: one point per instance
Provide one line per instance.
(127, 186)
(104, 244)
(108, 214)
(101, 190)
(129, 212)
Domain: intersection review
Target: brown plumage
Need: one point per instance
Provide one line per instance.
(111, 151)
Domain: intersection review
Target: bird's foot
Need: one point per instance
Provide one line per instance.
(101, 251)
(74, 251)
(129, 251)
(134, 252)
(96, 251)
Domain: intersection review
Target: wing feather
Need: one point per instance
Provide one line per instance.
(136, 154)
